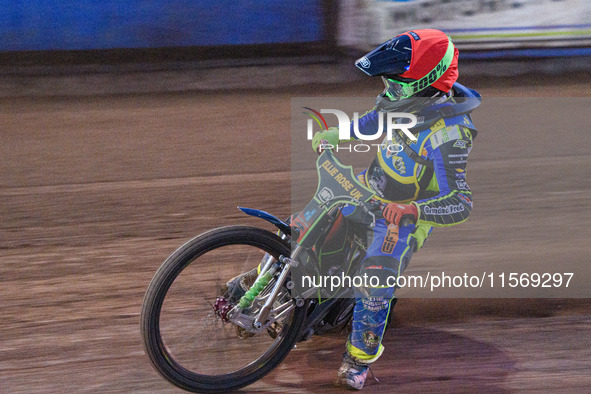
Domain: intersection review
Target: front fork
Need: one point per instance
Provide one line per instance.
(257, 309)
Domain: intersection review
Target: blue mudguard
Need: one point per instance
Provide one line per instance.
(280, 224)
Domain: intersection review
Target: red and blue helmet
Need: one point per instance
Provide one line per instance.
(412, 62)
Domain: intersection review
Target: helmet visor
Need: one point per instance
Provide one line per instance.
(392, 57)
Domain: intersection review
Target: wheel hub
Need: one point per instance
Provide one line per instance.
(221, 307)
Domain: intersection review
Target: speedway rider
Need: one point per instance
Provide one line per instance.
(424, 181)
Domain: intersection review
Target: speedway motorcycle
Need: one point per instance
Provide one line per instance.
(205, 332)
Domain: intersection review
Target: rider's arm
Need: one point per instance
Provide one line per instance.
(368, 123)
(453, 203)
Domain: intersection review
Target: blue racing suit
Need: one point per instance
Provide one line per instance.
(429, 173)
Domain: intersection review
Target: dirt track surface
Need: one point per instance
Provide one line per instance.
(97, 192)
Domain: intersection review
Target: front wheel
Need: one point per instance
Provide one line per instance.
(186, 341)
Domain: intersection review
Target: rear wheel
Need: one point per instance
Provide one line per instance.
(187, 342)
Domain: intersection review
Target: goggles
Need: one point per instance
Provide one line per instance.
(396, 89)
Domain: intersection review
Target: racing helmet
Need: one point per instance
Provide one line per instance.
(417, 63)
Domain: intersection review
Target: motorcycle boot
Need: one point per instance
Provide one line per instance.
(236, 287)
(352, 373)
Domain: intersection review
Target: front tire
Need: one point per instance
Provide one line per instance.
(186, 342)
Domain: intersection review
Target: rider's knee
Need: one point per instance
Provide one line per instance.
(379, 275)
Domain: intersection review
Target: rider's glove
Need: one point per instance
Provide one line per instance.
(394, 213)
(326, 137)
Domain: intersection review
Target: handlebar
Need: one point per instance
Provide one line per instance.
(406, 220)
(372, 207)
